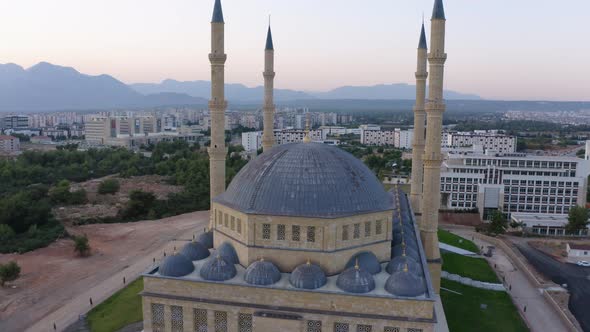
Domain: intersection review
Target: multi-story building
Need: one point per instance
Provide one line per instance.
(14, 122)
(252, 141)
(373, 135)
(9, 144)
(488, 140)
(513, 183)
(295, 136)
(403, 138)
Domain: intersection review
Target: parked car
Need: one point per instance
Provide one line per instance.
(583, 263)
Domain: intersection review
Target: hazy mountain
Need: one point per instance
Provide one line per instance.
(239, 92)
(50, 87)
(202, 89)
(398, 91)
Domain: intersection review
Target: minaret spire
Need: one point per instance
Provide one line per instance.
(217, 106)
(419, 129)
(432, 154)
(268, 139)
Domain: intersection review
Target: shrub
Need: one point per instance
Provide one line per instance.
(109, 186)
(78, 197)
(9, 272)
(60, 193)
(81, 245)
(6, 233)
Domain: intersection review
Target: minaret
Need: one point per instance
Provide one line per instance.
(268, 139)
(419, 123)
(217, 106)
(435, 108)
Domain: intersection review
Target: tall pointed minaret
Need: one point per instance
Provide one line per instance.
(217, 106)
(419, 129)
(432, 155)
(268, 139)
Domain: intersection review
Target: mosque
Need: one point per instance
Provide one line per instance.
(305, 238)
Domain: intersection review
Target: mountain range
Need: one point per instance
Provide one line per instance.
(48, 87)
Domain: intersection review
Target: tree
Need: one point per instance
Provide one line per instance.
(60, 193)
(577, 220)
(6, 233)
(81, 245)
(139, 205)
(109, 186)
(498, 224)
(9, 272)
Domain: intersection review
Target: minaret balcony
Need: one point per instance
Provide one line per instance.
(217, 105)
(217, 58)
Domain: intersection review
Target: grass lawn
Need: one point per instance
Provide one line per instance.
(464, 312)
(456, 241)
(118, 311)
(470, 267)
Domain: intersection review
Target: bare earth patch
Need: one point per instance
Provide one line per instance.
(52, 276)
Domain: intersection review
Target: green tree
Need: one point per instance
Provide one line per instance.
(577, 220)
(138, 206)
(498, 224)
(78, 197)
(109, 186)
(6, 233)
(9, 272)
(60, 193)
(81, 245)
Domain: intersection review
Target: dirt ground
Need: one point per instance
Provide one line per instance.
(100, 206)
(52, 276)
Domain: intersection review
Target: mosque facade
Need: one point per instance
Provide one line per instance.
(305, 238)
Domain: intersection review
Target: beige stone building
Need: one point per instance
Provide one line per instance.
(305, 238)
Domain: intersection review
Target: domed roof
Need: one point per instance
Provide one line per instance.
(308, 276)
(306, 180)
(407, 229)
(366, 260)
(206, 239)
(400, 262)
(262, 273)
(400, 249)
(404, 283)
(217, 268)
(356, 280)
(227, 251)
(409, 239)
(195, 251)
(176, 265)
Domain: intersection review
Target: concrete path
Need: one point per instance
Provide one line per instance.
(80, 305)
(539, 315)
(453, 249)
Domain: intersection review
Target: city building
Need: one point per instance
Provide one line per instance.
(305, 238)
(286, 136)
(543, 223)
(487, 139)
(373, 135)
(252, 141)
(9, 145)
(578, 251)
(14, 122)
(513, 182)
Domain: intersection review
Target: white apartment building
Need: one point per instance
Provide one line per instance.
(373, 135)
(9, 144)
(338, 131)
(513, 183)
(286, 136)
(488, 140)
(252, 141)
(404, 138)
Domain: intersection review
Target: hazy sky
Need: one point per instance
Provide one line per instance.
(500, 49)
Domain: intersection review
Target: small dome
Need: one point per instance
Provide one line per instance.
(409, 239)
(176, 265)
(400, 262)
(218, 269)
(308, 276)
(400, 249)
(227, 251)
(356, 280)
(366, 260)
(404, 283)
(262, 273)
(195, 251)
(206, 239)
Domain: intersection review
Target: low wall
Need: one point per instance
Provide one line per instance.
(465, 219)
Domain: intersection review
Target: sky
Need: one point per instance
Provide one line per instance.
(500, 49)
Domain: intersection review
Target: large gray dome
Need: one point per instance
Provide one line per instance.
(306, 180)
(176, 265)
(195, 251)
(356, 280)
(308, 276)
(218, 269)
(404, 283)
(262, 273)
(366, 260)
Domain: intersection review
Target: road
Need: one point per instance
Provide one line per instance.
(577, 279)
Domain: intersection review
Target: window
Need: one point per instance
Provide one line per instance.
(266, 231)
(310, 233)
(314, 326)
(220, 321)
(378, 227)
(245, 323)
(200, 320)
(239, 225)
(281, 232)
(341, 327)
(176, 319)
(225, 220)
(233, 223)
(157, 317)
(364, 328)
(296, 233)
(367, 228)
(357, 231)
(391, 329)
(219, 218)
(414, 330)
(345, 233)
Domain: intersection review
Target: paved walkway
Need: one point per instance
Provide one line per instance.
(80, 305)
(539, 315)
